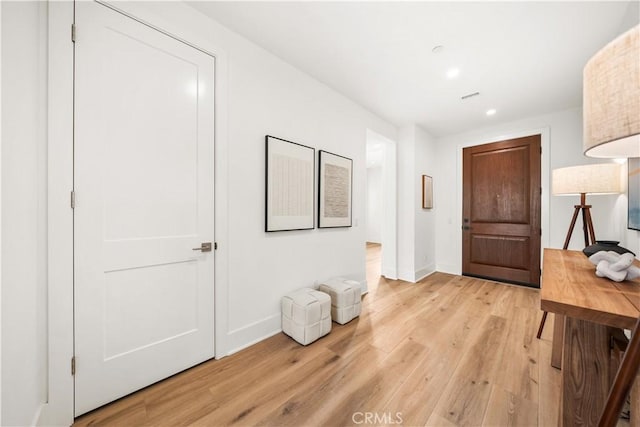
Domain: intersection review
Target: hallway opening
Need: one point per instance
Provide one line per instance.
(381, 204)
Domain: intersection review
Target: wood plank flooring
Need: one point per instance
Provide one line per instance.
(447, 351)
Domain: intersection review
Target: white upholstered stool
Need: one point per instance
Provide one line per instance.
(306, 315)
(345, 298)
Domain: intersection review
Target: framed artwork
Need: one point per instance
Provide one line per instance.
(289, 185)
(334, 191)
(633, 221)
(427, 192)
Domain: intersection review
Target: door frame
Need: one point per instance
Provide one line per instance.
(389, 230)
(503, 273)
(544, 182)
(59, 406)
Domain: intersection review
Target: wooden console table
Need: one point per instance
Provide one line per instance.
(591, 308)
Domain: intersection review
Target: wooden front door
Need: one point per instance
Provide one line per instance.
(501, 211)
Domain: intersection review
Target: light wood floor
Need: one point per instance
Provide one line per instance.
(448, 350)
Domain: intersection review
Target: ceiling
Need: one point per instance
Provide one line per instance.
(524, 58)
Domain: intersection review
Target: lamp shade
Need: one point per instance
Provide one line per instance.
(589, 179)
(611, 99)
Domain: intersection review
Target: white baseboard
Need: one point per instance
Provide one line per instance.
(37, 417)
(448, 268)
(364, 286)
(390, 274)
(407, 276)
(425, 271)
(246, 336)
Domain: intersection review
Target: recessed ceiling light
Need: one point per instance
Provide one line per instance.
(452, 73)
(491, 112)
(437, 49)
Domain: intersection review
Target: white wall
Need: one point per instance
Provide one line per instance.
(375, 204)
(267, 96)
(565, 149)
(406, 203)
(0, 214)
(416, 226)
(24, 265)
(389, 233)
(257, 94)
(631, 17)
(425, 220)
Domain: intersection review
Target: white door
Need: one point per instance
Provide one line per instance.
(143, 200)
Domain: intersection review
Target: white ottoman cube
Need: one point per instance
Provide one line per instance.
(306, 315)
(345, 298)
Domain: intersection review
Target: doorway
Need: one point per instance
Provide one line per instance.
(502, 210)
(381, 204)
(143, 206)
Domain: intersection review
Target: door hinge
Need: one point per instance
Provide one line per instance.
(215, 246)
(73, 199)
(73, 365)
(73, 33)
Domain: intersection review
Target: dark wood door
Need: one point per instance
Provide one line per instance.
(501, 211)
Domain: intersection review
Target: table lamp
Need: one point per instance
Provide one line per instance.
(601, 178)
(611, 120)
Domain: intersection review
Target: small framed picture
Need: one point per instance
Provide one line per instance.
(633, 189)
(427, 192)
(334, 191)
(289, 185)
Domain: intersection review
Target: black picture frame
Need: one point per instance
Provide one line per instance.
(335, 190)
(289, 185)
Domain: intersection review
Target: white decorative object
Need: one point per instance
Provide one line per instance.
(345, 298)
(306, 315)
(614, 266)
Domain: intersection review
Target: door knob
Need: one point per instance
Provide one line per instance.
(205, 247)
(466, 227)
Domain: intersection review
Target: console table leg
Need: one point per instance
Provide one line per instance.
(558, 337)
(585, 372)
(635, 404)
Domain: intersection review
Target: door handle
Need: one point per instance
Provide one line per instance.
(466, 227)
(205, 247)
